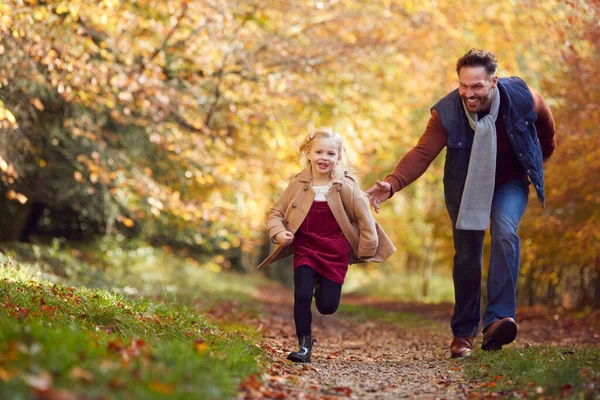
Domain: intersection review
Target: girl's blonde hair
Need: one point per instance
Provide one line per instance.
(326, 132)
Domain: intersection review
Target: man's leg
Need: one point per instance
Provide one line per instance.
(508, 207)
(466, 274)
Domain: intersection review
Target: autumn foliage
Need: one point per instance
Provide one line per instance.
(179, 120)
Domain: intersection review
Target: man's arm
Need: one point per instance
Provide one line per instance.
(544, 124)
(413, 164)
(419, 158)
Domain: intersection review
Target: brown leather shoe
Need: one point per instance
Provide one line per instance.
(499, 333)
(461, 347)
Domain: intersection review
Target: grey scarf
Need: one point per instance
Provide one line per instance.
(476, 203)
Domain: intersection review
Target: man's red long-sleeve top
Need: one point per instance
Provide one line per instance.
(508, 167)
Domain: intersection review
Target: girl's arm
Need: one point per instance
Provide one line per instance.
(367, 239)
(276, 217)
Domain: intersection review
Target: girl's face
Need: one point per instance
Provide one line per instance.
(323, 155)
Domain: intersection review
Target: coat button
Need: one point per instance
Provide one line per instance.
(529, 171)
(526, 122)
(520, 154)
(287, 221)
(305, 188)
(459, 144)
(345, 172)
(294, 205)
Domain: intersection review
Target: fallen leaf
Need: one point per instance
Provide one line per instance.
(82, 375)
(56, 394)
(344, 390)
(37, 103)
(159, 387)
(5, 375)
(201, 347)
(43, 381)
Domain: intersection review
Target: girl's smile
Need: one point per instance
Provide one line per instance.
(323, 156)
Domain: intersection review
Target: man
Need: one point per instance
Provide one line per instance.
(510, 129)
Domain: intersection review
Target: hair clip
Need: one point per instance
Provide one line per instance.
(310, 137)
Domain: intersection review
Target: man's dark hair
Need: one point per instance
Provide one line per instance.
(478, 58)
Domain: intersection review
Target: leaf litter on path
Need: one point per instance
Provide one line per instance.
(352, 359)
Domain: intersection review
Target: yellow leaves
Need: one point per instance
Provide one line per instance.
(200, 346)
(8, 169)
(12, 195)
(5, 114)
(37, 103)
(78, 176)
(66, 8)
(40, 14)
(128, 222)
(110, 3)
(110, 103)
(156, 203)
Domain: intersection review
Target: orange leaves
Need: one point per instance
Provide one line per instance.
(128, 222)
(12, 195)
(137, 348)
(37, 103)
(78, 176)
(201, 346)
(160, 387)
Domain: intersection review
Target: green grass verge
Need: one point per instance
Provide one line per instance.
(385, 282)
(100, 344)
(406, 321)
(537, 371)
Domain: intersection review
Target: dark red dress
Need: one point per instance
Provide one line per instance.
(320, 244)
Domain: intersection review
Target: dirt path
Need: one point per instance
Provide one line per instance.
(353, 359)
(372, 360)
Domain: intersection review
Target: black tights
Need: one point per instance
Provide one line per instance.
(327, 297)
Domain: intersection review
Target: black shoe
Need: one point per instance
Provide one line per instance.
(302, 355)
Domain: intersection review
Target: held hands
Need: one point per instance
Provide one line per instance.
(284, 238)
(378, 193)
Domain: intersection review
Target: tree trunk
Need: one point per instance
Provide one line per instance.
(596, 303)
(427, 267)
(14, 219)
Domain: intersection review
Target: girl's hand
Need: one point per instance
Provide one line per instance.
(284, 238)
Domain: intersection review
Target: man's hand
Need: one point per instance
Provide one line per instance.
(378, 193)
(284, 238)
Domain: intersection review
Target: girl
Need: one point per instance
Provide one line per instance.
(323, 218)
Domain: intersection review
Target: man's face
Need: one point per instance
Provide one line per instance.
(476, 88)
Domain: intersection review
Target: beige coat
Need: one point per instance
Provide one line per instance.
(349, 206)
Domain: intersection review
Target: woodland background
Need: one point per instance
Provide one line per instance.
(177, 123)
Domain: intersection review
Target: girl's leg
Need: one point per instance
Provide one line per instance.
(328, 296)
(304, 284)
